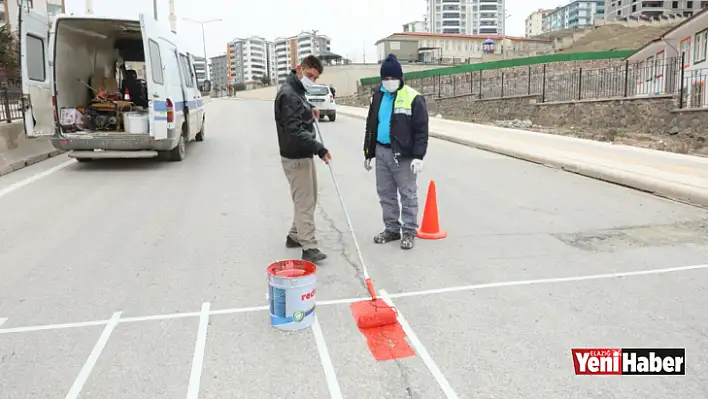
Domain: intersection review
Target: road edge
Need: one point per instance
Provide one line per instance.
(691, 195)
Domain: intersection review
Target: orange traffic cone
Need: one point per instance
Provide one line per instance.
(126, 97)
(430, 228)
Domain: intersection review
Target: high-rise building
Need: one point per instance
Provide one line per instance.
(290, 50)
(577, 14)
(534, 22)
(472, 17)
(9, 10)
(218, 72)
(200, 69)
(247, 60)
(616, 9)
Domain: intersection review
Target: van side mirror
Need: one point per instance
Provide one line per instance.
(206, 85)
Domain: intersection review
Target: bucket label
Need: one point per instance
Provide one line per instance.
(290, 305)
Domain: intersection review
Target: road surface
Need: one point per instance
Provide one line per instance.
(145, 279)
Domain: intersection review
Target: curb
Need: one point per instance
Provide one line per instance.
(697, 196)
(31, 160)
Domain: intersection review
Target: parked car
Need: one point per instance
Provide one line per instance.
(321, 97)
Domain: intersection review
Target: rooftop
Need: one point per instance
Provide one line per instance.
(428, 35)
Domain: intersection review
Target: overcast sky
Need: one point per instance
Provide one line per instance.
(353, 25)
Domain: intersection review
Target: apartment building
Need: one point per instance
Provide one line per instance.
(288, 51)
(247, 60)
(9, 10)
(472, 17)
(200, 69)
(415, 26)
(534, 22)
(617, 9)
(577, 14)
(218, 72)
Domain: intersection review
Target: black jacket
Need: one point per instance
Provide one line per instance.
(409, 133)
(295, 123)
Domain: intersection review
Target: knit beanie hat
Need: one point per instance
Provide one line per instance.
(390, 67)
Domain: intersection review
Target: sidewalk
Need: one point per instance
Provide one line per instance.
(676, 176)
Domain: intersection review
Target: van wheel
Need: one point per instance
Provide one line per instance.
(332, 116)
(178, 153)
(200, 135)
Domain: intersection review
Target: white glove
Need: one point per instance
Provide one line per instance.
(417, 166)
(367, 164)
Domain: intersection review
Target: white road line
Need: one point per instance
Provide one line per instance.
(351, 300)
(93, 357)
(195, 376)
(422, 352)
(330, 374)
(34, 178)
(548, 281)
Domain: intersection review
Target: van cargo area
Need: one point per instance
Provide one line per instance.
(100, 85)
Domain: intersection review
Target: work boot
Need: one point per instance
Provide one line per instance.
(313, 255)
(386, 236)
(407, 242)
(291, 243)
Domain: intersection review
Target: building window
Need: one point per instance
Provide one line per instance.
(699, 46)
(650, 69)
(698, 94)
(685, 47)
(659, 62)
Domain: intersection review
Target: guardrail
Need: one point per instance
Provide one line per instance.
(10, 105)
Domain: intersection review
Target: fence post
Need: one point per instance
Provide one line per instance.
(502, 85)
(471, 83)
(5, 98)
(480, 84)
(580, 83)
(529, 80)
(626, 78)
(439, 85)
(543, 85)
(683, 62)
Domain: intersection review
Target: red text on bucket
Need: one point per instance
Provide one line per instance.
(309, 295)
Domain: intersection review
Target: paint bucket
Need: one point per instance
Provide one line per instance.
(291, 293)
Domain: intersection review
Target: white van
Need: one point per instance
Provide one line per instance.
(78, 90)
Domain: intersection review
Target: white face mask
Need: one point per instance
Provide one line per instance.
(391, 85)
(306, 82)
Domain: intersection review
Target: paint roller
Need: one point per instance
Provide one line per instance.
(374, 313)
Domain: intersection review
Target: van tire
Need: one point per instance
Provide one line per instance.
(200, 135)
(332, 116)
(178, 153)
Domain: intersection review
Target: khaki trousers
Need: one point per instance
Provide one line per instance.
(302, 177)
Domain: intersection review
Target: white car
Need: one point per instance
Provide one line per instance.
(321, 97)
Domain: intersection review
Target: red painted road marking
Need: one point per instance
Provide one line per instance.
(386, 342)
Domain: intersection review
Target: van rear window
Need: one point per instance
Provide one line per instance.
(318, 90)
(156, 62)
(36, 63)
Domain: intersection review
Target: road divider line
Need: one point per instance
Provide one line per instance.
(195, 377)
(93, 357)
(330, 374)
(420, 350)
(351, 300)
(15, 186)
(548, 281)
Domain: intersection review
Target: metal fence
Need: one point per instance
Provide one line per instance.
(552, 83)
(10, 105)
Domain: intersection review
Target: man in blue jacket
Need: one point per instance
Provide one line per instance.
(397, 136)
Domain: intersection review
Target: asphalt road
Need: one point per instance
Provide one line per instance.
(156, 240)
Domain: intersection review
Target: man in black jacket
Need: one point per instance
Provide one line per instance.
(295, 118)
(397, 136)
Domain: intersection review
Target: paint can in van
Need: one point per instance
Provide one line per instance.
(291, 293)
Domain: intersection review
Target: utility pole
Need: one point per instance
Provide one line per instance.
(202, 23)
(89, 7)
(173, 17)
(504, 47)
(154, 9)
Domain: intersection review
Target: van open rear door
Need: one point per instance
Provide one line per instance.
(155, 78)
(37, 110)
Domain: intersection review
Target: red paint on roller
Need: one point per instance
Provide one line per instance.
(384, 335)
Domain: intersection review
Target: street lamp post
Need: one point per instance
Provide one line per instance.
(202, 23)
(504, 46)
